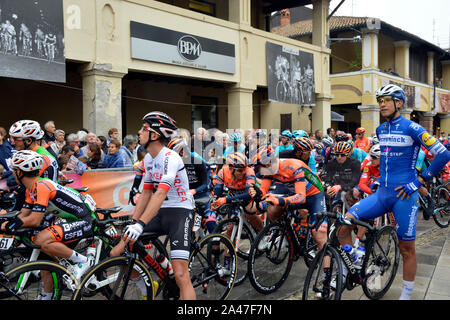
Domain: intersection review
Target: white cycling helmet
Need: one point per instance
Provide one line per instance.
(25, 129)
(391, 90)
(27, 160)
(328, 141)
(375, 151)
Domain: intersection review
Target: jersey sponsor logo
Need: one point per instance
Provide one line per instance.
(427, 139)
(396, 140)
(414, 126)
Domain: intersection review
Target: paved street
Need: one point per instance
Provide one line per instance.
(432, 280)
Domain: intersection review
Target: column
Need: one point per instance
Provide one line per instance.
(321, 28)
(240, 108)
(427, 121)
(240, 11)
(430, 68)
(102, 97)
(321, 113)
(445, 122)
(370, 118)
(369, 48)
(402, 58)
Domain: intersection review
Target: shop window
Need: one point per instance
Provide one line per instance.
(203, 7)
(204, 109)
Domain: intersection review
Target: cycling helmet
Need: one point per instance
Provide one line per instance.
(260, 133)
(375, 151)
(286, 133)
(375, 140)
(161, 123)
(25, 129)
(302, 144)
(328, 141)
(263, 155)
(350, 142)
(237, 160)
(341, 137)
(177, 144)
(300, 133)
(318, 146)
(40, 135)
(235, 137)
(391, 90)
(27, 160)
(360, 130)
(342, 147)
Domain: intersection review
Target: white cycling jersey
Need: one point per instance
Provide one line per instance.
(167, 171)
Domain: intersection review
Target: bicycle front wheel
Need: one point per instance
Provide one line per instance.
(111, 279)
(26, 282)
(270, 259)
(213, 267)
(324, 280)
(380, 263)
(442, 213)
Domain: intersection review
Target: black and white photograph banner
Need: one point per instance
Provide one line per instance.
(158, 44)
(32, 40)
(290, 75)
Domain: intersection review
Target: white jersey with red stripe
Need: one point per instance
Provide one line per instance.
(167, 171)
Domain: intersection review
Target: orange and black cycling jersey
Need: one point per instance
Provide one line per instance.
(291, 174)
(46, 195)
(50, 168)
(238, 187)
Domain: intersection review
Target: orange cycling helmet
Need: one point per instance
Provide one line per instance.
(237, 160)
(263, 155)
(303, 144)
(360, 130)
(342, 147)
(177, 144)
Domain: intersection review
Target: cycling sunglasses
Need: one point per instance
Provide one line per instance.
(337, 155)
(240, 170)
(384, 99)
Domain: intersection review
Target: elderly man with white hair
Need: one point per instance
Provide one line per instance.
(49, 132)
(91, 139)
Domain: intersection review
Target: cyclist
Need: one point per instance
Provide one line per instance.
(295, 184)
(296, 153)
(44, 195)
(236, 144)
(400, 141)
(371, 171)
(362, 142)
(342, 173)
(357, 153)
(165, 204)
(286, 136)
(198, 173)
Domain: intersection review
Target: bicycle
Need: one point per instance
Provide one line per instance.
(441, 214)
(275, 249)
(112, 278)
(239, 231)
(376, 274)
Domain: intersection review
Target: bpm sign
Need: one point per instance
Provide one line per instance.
(153, 43)
(189, 48)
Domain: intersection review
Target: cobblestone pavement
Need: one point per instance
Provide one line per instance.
(432, 281)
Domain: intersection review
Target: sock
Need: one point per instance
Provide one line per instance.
(356, 244)
(46, 295)
(327, 273)
(77, 257)
(407, 289)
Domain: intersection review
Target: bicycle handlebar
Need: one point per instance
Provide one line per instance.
(321, 216)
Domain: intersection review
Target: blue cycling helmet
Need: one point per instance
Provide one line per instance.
(300, 133)
(286, 133)
(393, 91)
(235, 137)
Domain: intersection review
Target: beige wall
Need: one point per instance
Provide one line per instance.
(386, 52)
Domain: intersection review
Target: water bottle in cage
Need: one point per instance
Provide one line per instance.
(165, 264)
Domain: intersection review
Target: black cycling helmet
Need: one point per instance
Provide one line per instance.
(341, 137)
(161, 124)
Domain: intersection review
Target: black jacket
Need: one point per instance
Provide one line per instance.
(346, 175)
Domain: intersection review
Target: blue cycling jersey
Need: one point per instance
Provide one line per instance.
(400, 142)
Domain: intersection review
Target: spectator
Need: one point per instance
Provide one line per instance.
(113, 134)
(94, 155)
(66, 152)
(91, 139)
(62, 163)
(49, 132)
(127, 151)
(5, 154)
(114, 159)
(318, 135)
(101, 141)
(60, 141)
(74, 141)
(331, 133)
(82, 136)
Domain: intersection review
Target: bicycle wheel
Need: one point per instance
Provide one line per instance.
(109, 280)
(271, 258)
(442, 213)
(210, 279)
(310, 249)
(324, 285)
(26, 281)
(244, 244)
(380, 263)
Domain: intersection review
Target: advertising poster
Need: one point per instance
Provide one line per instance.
(290, 75)
(32, 40)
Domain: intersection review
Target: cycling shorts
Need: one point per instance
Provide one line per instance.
(385, 200)
(314, 203)
(67, 232)
(177, 223)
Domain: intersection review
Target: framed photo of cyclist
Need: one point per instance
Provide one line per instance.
(32, 40)
(290, 75)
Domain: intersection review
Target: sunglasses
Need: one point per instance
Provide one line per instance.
(240, 170)
(145, 127)
(384, 99)
(340, 155)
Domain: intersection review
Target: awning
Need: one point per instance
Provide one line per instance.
(336, 117)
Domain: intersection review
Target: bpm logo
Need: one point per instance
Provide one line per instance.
(189, 48)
